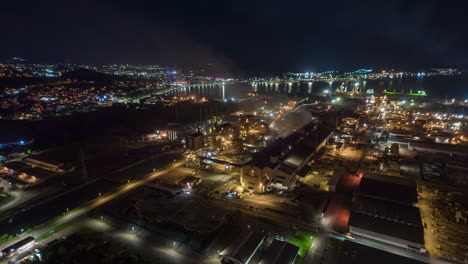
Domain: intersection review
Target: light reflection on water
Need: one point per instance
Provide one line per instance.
(439, 86)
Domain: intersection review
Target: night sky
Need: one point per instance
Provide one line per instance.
(266, 35)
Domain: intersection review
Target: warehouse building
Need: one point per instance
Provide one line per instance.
(43, 162)
(383, 209)
(388, 188)
(242, 250)
(11, 168)
(354, 253)
(280, 252)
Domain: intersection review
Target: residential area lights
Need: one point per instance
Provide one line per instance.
(267, 171)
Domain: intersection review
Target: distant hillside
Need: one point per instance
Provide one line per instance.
(89, 75)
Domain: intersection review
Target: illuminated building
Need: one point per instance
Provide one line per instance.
(195, 141)
(279, 164)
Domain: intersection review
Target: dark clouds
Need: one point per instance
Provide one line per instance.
(254, 35)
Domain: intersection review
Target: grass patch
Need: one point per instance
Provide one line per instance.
(304, 241)
(43, 236)
(53, 231)
(62, 227)
(5, 238)
(68, 212)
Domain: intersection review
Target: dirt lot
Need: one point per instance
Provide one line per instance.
(445, 217)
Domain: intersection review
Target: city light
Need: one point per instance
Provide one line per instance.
(185, 155)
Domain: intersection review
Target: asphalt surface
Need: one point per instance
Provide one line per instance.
(317, 252)
(73, 199)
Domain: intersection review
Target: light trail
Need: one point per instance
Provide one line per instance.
(105, 198)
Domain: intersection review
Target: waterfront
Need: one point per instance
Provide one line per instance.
(455, 86)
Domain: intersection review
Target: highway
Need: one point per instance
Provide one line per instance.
(19, 198)
(40, 210)
(100, 200)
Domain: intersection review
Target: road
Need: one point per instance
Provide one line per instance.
(43, 242)
(441, 236)
(424, 209)
(397, 250)
(317, 255)
(37, 211)
(320, 243)
(316, 252)
(140, 240)
(41, 210)
(109, 197)
(19, 198)
(413, 170)
(102, 199)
